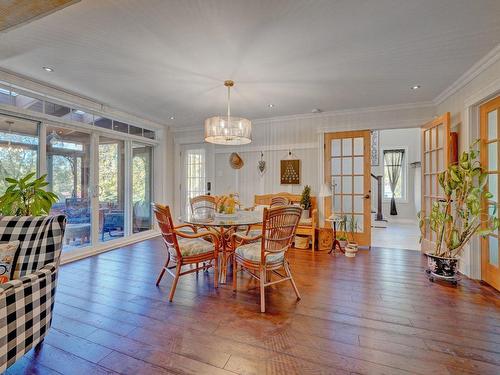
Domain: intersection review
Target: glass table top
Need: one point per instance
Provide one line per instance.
(221, 220)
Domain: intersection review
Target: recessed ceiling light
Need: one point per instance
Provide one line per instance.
(48, 69)
(416, 87)
(270, 105)
(172, 118)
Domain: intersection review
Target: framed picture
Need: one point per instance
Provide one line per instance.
(375, 148)
(290, 172)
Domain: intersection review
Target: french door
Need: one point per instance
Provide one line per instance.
(490, 149)
(347, 171)
(435, 159)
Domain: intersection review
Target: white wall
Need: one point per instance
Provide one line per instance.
(303, 135)
(463, 104)
(408, 139)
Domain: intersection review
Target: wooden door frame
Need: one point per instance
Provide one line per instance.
(363, 239)
(444, 119)
(483, 134)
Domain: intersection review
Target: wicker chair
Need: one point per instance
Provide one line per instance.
(203, 205)
(265, 257)
(189, 249)
(279, 201)
(26, 302)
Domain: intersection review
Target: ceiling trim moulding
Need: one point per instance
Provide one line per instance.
(488, 60)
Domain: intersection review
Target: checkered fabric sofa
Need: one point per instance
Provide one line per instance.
(27, 300)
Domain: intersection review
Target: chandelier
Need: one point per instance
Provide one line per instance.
(228, 130)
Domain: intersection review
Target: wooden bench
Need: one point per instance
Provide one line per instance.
(306, 227)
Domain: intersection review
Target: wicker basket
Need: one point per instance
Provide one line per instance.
(301, 242)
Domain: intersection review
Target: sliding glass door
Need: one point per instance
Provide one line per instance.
(68, 174)
(104, 181)
(111, 189)
(142, 162)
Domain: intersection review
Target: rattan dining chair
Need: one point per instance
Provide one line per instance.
(269, 254)
(189, 249)
(203, 205)
(279, 201)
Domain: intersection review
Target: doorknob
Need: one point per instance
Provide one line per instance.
(367, 196)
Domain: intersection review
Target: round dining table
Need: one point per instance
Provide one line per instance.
(225, 226)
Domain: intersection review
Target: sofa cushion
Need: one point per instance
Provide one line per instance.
(251, 252)
(194, 246)
(7, 255)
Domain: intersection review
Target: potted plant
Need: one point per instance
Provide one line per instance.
(342, 237)
(27, 197)
(305, 201)
(460, 215)
(352, 246)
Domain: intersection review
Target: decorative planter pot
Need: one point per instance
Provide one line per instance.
(305, 214)
(301, 242)
(442, 268)
(351, 249)
(343, 243)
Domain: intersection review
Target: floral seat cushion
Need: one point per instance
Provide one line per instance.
(194, 246)
(251, 252)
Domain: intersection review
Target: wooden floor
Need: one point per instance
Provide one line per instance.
(374, 314)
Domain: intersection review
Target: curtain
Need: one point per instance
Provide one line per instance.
(393, 160)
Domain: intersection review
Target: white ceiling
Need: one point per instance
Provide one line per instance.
(160, 58)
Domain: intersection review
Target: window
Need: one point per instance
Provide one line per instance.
(395, 169)
(142, 157)
(194, 174)
(18, 149)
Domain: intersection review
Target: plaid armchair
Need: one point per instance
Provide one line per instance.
(26, 302)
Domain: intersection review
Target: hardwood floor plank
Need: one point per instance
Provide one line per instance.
(375, 314)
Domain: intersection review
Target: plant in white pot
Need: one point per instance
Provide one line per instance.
(352, 246)
(460, 216)
(342, 237)
(305, 202)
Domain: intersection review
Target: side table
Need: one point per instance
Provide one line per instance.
(335, 243)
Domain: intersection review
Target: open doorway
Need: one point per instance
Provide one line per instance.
(396, 188)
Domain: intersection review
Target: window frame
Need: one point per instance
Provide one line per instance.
(404, 174)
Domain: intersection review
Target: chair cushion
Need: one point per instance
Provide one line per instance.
(251, 252)
(194, 246)
(254, 233)
(306, 222)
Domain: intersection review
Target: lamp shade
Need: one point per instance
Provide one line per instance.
(325, 191)
(236, 131)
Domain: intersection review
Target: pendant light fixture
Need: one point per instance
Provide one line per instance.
(228, 130)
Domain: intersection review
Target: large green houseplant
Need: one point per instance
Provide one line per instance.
(27, 197)
(461, 215)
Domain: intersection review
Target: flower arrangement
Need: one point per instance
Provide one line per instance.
(226, 204)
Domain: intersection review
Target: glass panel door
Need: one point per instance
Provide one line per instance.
(490, 138)
(111, 188)
(142, 160)
(435, 150)
(347, 170)
(68, 174)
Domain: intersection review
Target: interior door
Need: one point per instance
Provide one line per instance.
(347, 169)
(490, 148)
(435, 158)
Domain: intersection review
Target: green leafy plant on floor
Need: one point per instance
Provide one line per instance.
(305, 199)
(462, 214)
(27, 197)
(342, 229)
(352, 228)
